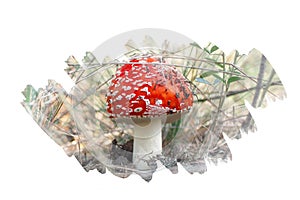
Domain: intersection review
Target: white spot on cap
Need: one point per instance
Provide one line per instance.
(136, 82)
(117, 84)
(130, 96)
(126, 88)
(140, 84)
(147, 101)
(118, 73)
(158, 102)
(115, 93)
(136, 76)
(149, 75)
(138, 109)
(119, 98)
(145, 89)
(119, 106)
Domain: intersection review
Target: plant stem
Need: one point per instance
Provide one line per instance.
(147, 142)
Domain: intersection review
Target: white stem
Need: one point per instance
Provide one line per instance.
(147, 143)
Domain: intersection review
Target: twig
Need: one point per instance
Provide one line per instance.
(231, 93)
(267, 87)
(248, 120)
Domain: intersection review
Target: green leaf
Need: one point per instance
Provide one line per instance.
(195, 45)
(220, 65)
(217, 63)
(233, 79)
(206, 74)
(205, 49)
(213, 49)
(236, 56)
(29, 93)
(173, 132)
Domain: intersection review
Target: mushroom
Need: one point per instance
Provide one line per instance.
(147, 92)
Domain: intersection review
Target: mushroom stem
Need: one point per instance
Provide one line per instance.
(147, 142)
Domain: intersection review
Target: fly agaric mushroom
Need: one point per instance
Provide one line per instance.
(148, 92)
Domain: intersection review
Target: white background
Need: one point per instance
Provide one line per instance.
(37, 37)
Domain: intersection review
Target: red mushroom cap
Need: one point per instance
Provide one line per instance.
(147, 89)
